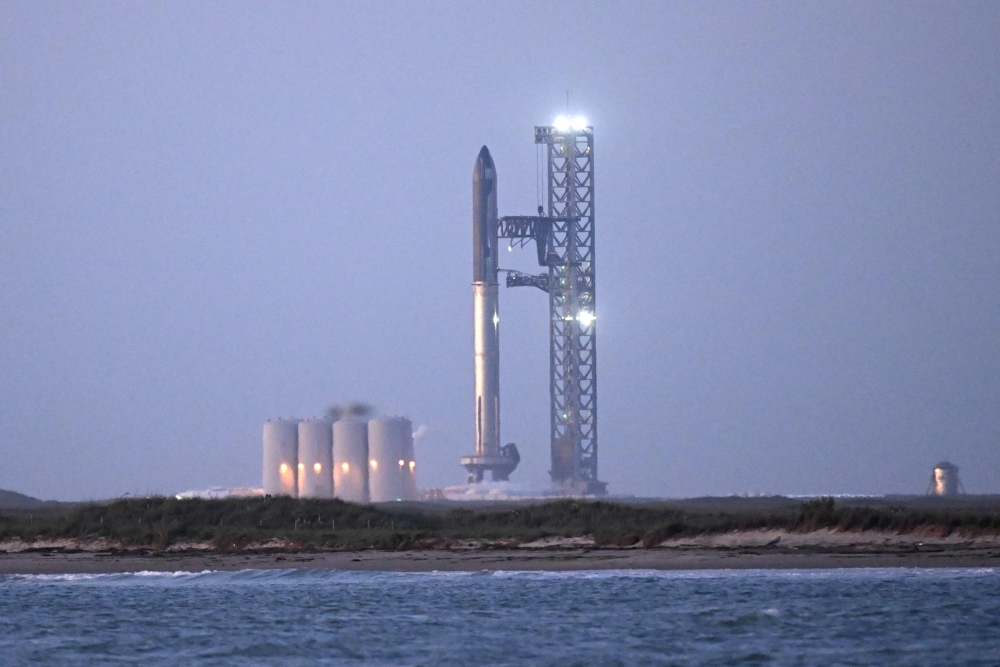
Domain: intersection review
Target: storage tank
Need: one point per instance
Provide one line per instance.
(944, 479)
(281, 459)
(315, 459)
(409, 466)
(350, 460)
(391, 467)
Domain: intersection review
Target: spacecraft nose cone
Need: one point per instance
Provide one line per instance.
(484, 175)
(485, 159)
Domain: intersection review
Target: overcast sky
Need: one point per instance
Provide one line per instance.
(212, 214)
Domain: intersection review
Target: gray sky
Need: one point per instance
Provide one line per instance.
(211, 216)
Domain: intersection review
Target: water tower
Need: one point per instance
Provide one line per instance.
(944, 480)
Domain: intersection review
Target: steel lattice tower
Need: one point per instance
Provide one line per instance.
(564, 239)
(572, 306)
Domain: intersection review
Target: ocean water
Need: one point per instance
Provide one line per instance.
(322, 617)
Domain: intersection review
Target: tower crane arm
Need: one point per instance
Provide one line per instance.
(531, 227)
(520, 279)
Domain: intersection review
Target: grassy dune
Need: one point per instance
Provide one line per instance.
(232, 524)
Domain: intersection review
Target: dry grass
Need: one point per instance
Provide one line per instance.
(232, 524)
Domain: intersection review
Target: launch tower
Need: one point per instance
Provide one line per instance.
(565, 242)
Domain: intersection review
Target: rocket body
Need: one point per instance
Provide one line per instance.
(489, 455)
(486, 313)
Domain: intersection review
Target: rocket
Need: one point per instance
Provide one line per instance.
(489, 455)
(485, 305)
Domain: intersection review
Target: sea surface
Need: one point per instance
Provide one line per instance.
(324, 617)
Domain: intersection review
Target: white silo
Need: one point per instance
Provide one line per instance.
(409, 465)
(350, 460)
(315, 459)
(390, 455)
(281, 459)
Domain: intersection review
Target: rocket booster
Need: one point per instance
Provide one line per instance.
(486, 314)
(500, 461)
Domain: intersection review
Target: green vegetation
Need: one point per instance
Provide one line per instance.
(233, 524)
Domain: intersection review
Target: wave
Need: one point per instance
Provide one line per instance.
(113, 576)
(296, 575)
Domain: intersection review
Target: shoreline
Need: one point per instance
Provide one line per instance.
(762, 549)
(32, 563)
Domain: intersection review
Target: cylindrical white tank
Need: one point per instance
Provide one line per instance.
(315, 459)
(350, 460)
(409, 466)
(281, 459)
(945, 479)
(390, 455)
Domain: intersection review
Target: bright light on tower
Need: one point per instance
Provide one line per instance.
(579, 123)
(562, 123)
(586, 318)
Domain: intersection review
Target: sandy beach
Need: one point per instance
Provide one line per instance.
(749, 550)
